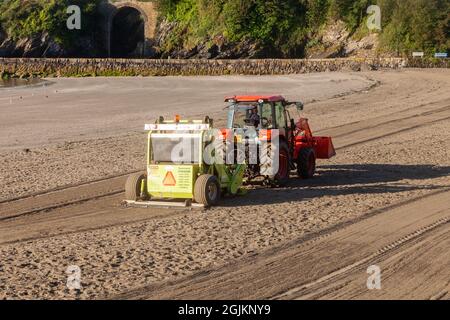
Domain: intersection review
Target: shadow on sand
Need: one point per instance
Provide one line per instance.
(335, 180)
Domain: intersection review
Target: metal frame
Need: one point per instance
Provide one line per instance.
(230, 177)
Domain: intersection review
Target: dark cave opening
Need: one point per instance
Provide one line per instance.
(127, 34)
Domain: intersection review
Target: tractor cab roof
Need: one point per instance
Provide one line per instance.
(265, 98)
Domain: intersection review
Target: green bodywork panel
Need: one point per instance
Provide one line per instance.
(171, 181)
(178, 181)
(230, 177)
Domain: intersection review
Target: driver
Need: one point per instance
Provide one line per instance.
(254, 119)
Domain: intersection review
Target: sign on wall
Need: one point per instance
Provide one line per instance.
(441, 55)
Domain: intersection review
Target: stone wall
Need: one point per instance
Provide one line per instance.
(428, 63)
(152, 67)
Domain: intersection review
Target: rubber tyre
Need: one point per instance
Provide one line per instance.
(282, 178)
(133, 186)
(207, 190)
(306, 163)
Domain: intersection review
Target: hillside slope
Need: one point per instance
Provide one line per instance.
(237, 28)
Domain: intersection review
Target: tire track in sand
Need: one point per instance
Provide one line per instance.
(98, 191)
(345, 137)
(76, 196)
(304, 267)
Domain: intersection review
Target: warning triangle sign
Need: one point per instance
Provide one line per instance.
(169, 180)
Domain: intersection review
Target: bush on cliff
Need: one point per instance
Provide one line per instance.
(28, 18)
(278, 28)
(287, 25)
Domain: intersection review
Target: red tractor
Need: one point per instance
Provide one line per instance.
(265, 115)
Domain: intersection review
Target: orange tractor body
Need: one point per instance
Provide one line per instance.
(299, 148)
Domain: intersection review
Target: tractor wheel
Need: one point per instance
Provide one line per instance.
(133, 186)
(207, 190)
(306, 163)
(282, 177)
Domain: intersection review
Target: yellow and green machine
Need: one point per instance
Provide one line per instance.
(177, 174)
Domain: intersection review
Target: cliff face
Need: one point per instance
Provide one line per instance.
(175, 37)
(38, 28)
(336, 41)
(228, 29)
(333, 41)
(216, 48)
(41, 45)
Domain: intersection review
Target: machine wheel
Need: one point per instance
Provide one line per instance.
(133, 186)
(306, 163)
(282, 177)
(207, 190)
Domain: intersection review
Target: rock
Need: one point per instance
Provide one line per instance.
(335, 41)
(216, 48)
(7, 47)
(40, 45)
(335, 33)
(54, 50)
(31, 47)
(362, 47)
(245, 49)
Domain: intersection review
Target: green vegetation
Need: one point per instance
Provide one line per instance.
(283, 27)
(416, 25)
(287, 25)
(24, 18)
(277, 24)
(4, 75)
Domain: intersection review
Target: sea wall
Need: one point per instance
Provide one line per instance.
(21, 67)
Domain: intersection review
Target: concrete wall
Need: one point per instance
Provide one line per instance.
(154, 67)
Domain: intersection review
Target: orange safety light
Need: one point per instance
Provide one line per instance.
(226, 134)
(265, 135)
